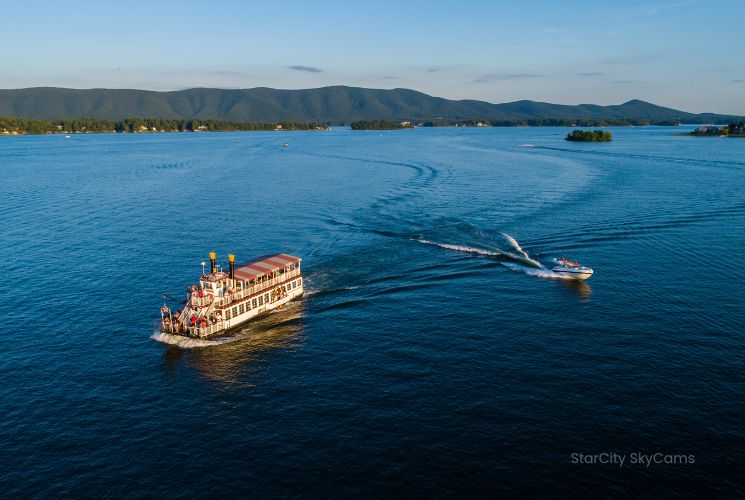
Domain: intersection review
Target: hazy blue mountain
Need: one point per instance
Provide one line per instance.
(336, 104)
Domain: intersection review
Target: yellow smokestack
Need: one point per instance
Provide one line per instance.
(213, 262)
(231, 260)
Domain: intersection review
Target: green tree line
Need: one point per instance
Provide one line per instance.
(9, 125)
(549, 122)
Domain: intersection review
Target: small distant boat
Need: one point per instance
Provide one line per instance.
(572, 269)
(285, 145)
(67, 137)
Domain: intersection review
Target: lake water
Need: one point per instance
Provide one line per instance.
(428, 356)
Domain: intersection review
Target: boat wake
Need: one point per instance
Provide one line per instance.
(461, 248)
(532, 271)
(516, 246)
(524, 262)
(192, 343)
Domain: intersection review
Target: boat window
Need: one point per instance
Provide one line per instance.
(235, 311)
(242, 308)
(227, 314)
(253, 304)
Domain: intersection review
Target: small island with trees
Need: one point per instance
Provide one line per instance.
(732, 130)
(380, 125)
(589, 136)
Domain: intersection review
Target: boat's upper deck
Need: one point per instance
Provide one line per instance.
(266, 264)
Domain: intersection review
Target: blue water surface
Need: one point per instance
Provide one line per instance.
(430, 355)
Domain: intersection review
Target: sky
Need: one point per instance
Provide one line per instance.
(685, 54)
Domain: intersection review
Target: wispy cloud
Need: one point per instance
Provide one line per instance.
(230, 72)
(309, 69)
(498, 77)
(435, 69)
(739, 80)
(623, 82)
(646, 16)
(590, 73)
(544, 43)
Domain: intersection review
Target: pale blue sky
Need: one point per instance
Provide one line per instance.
(684, 54)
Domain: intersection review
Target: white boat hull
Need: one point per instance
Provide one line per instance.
(577, 273)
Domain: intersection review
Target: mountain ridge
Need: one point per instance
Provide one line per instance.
(332, 104)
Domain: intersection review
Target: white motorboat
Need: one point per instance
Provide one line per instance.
(572, 269)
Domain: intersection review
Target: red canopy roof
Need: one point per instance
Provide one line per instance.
(262, 265)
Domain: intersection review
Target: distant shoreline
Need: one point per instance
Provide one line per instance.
(10, 126)
(114, 132)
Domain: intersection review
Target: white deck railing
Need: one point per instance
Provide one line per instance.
(247, 292)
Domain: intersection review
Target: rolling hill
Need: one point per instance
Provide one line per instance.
(337, 104)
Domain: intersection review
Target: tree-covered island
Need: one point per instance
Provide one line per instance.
(590, 136)
(380, 125)
(736, 129)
